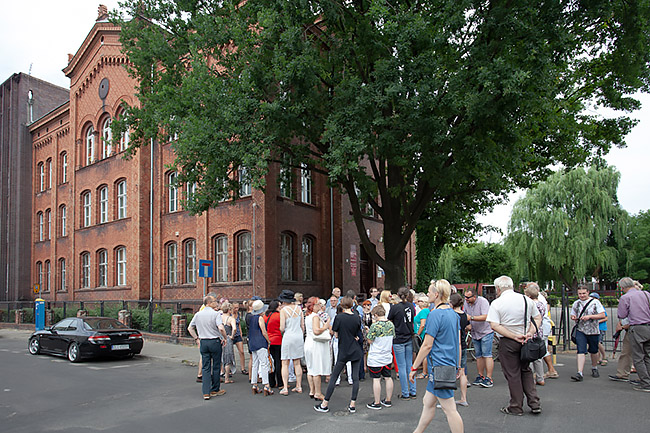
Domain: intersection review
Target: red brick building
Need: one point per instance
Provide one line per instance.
(110, 228)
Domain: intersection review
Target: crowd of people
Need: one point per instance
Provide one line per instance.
(411, 336)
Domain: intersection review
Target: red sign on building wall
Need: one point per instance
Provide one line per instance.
(353, 260)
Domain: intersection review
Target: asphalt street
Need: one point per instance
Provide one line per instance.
(156, 392)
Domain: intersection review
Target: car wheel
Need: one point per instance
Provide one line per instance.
(34, 346)
(73, 352)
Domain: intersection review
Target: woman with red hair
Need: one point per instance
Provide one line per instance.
(317, 351)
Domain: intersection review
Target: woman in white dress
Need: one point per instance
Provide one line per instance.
(317, 349)
(292, 326)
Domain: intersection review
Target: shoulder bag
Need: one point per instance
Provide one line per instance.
(574, 330)
(534, 348)
(444, 376)
(323, 337)
(271, 360)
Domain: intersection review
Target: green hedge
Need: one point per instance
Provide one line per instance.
(607, 301)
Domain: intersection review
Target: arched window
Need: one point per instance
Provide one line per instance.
(124, 137)
(48, 221)
(190, 261)
(120, 259)
(39, 274)
(307, 250)
(244, 262)
(41, 177)
(49, 173)
(107, 136)
(85, 270)
(103, 204)
(102, 268)
(90, 145)
(305, 184)
(63, 218)
(286, 256)
(221, 256)
(173, 192)
(121, 199)
(87, 209)
(244, 182)
(64, 166)
(172, 263)
(62, 275)
(41, 228)
(48, 276)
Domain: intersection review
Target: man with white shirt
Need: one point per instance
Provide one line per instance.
(511, 316)
(207, 329)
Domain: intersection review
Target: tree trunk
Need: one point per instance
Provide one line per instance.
(394, 278)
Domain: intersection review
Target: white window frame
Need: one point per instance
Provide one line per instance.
(121, 200)
(305, 185)
(286, 257)
(173, 192)
(62, 272)
(190, 261)
(48, 276)
(107, 136)
(307, 248)
(90, 145)
(87, 209)
(41, 229)
(49, 173)
(244, 183)
(41, 176)
(64, 167)
(103, 205)
(244, 257)
(85, 270)
(48, 214)
(221, 253)
(64, 217)
(39, 274)
(120, 257)
(102, 268)
(172, 263)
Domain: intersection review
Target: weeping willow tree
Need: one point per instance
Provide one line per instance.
(569, 226)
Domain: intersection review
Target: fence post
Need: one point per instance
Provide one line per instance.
(178, 308)
(64, 308)
(101, 308)
(124, 305)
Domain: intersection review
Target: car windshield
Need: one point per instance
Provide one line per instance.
(103, 323)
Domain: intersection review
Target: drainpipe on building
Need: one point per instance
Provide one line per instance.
(332, 233)
(151, 238)
(253, 256)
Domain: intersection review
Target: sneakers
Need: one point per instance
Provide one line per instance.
(386, 403)
(577, 377)
(319, 408)
(594, 372)
(462, 403)
(217, 393)
(478, 381)
(414, 397)
(641, 388)
(487, 383)
(635, 382)
(536, 411)
(374, 406)
(352, 409)
(618, 378)
(206, 396)
(506, 410)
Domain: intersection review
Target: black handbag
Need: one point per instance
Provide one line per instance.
(534, 348)
(444, 376)
(574, 330)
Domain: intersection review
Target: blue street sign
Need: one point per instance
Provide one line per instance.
(205, 268)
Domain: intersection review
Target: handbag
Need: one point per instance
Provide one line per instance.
(444, 376)
(574, 330)
(323, 337)
(417, 343)
(534, 348)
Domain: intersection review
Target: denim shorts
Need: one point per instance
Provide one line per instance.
(463, 359)
(583, 341)
(601, 337)
(483, 347)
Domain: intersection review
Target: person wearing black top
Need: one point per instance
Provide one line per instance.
(346, 327)
(402, 316)
(456, 301)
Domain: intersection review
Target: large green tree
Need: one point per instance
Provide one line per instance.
(568, 227)
(405, 104)
(482, 262)
(638, 246)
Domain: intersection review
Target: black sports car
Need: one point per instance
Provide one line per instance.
(86, 337)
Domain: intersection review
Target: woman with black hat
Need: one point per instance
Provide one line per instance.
(292, 326)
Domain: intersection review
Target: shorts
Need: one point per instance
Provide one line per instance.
(379, 372)
(483, 347)
(587, 343)
(601, 337)
(440, 393)
(237, 339)
(463, 359)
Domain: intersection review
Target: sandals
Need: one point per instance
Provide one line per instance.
(284, 391)
(298, 390)
(228, 381)
(255, 390)
(420, 376)
(507, 411)
(268, 391)
(244, 371)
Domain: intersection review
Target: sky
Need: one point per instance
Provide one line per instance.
(37, 35)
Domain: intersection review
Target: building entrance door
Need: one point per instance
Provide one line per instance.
(366, 272)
